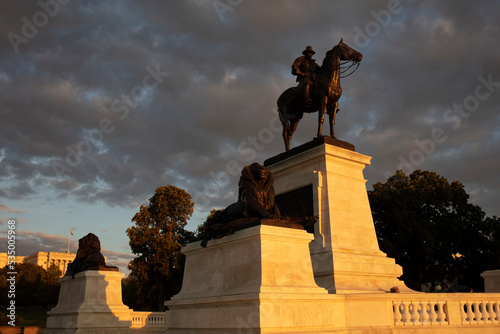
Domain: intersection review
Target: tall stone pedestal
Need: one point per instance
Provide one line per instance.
(91, 302)
(345, 253)
(258, 280)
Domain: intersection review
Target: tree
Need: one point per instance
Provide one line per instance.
(202, 228)
(130, 292)
(35, 286)
(157, 238)
(428, 225)
(50, 293)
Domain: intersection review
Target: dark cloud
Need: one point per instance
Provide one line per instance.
(28, 242)
(74, 95)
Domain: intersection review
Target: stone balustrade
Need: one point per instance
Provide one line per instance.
(446, 309)
(416, 310)
(479, 312)
(148, 319)
(420, 312)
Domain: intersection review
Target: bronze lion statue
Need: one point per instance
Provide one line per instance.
(88, 256)
(255, 200)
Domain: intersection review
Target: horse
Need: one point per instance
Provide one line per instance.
(325, 93)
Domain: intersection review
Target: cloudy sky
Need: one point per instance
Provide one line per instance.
(101, 102)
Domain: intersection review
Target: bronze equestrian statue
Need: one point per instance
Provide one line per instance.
(319, 89)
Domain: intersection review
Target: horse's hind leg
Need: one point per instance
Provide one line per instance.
(286, 137)
(286, 129)
(332, 111)
(321, 116)
(292, 127)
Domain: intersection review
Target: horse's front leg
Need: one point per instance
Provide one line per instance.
(321, 116)
(332, 111)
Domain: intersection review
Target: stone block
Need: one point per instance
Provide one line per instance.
(90, 302)
(258, 280)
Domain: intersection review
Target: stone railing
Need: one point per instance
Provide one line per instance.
(404, 312)
(420, 313)
(479, 312)
(446, 309)
(148, 319)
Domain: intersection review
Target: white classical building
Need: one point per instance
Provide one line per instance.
(44, 259)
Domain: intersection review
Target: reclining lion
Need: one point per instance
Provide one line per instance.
(255, 200)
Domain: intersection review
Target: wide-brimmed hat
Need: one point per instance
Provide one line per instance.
(308, 49)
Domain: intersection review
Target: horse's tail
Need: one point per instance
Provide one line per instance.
(281, 105)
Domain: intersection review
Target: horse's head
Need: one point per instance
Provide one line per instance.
(341, 52)
(347, 53)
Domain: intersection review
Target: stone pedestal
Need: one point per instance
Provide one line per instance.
(345, 252)
(258, 280)
(91, 302)
(491, 280)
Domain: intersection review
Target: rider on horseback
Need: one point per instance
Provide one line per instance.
(305, 68)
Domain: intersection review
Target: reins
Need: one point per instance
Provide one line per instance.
(345, 69)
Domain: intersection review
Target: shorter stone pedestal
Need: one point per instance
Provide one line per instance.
(90, 302)
(259, 280)
(491, 280)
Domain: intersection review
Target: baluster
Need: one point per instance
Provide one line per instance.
(496, 311)
(137, 321)
(432, 313)
(414, 313)
(463, 312)
(446, 319)
(470, 312)
(477, 312)
(484, 312)
(440, 313)
(490, 315)
(424, 315)
(397, 313)
(406, 313)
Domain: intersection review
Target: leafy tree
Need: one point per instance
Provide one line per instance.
(157, 238)
(428, 225)
(203, 227)
(35, 286)
(50, 292)
(130, 292)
